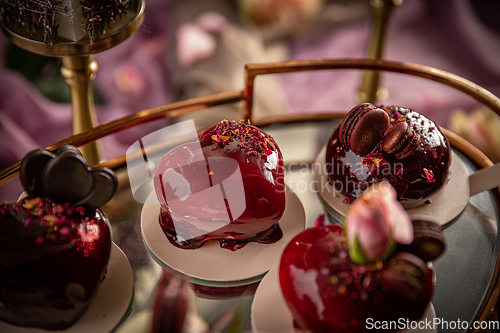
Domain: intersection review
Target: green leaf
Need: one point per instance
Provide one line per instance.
(391, 247)
(357, 254)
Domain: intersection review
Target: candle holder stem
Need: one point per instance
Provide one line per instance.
(369, 91)
(79, 72)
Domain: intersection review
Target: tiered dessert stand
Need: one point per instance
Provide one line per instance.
(468, 286)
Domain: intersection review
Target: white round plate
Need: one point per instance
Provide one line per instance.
(270, 312)
(445, 206)
(211, 264)
(110, 305)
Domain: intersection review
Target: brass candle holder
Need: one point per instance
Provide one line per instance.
(78, 66)
(370, 91)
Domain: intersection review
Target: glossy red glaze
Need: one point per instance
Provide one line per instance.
(327, 292)
(415, 177)
(228, 187)
(52, 259)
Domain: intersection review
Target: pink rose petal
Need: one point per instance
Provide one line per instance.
(193, 45)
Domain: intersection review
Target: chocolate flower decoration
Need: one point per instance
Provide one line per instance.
(65, 177)
(375, 223)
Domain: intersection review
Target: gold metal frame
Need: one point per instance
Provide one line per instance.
(489, 308)
(251, 71)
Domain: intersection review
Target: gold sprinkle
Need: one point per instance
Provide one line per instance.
(333, 280)
(31, 203)
(50, 218)
(342, 289)
(210, 173)
(37, 211)
(363, 296)
(367, 281)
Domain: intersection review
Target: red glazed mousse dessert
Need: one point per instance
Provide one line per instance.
(228, 187)
(392, 144)
(337, 280)
(53, 255)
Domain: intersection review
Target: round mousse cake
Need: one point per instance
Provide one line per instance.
(393, 144)
(53, 257)
(229, 187)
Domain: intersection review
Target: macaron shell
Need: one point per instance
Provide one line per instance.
(350, 120)
(368, 131)
(405, 275)
(396, 138)
(411, 146)
(428, 242)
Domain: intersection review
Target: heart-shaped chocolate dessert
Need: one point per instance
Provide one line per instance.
(55, 244)
(52, 260)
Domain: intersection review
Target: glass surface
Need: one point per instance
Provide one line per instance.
(463, 272)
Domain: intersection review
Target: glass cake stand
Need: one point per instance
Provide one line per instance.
(467, 286)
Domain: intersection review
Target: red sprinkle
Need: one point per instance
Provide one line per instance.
(429, 175)
(250, 138)
(320, 221)
(80, 210)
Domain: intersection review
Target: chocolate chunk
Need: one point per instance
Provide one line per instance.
(402, 141)
(428, 241)
(405, 275)
(67, 179)
(67, 149)
(105, 185)
(363, 128)
(31, 171)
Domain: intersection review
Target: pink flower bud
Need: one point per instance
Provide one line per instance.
(375, 223)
